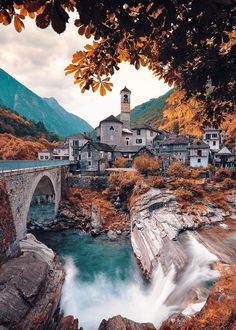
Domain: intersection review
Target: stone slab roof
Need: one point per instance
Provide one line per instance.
(111, 119)
(199, 145)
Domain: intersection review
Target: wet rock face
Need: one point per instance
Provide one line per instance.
(30, 288)
(121, 323)
(156, 223)
(219, 311)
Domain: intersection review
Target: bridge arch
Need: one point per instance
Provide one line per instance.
(42, 207)
(24, 185)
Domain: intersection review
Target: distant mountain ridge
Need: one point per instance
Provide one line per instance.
(150, 112)
(15, 96)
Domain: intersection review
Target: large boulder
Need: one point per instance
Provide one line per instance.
(30, 288)
(121, 323)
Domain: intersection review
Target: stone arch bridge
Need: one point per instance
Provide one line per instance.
(24, 183)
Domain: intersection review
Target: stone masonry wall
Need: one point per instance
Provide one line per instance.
(8, 246)
(88, 182)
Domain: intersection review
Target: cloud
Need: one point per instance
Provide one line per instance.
(37, 59)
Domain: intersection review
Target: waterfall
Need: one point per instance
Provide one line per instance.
(131, 298)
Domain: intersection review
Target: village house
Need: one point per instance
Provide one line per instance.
(61, 152)
(212, 136)
(199, 154)
(176, 147)
(143, 135)
(45, 154)
(95, 157)
(75, 143)
(224, 158)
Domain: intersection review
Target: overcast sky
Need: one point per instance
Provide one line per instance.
(37, 59)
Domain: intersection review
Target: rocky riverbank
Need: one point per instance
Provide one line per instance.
(157, 222)
(30, 288)
(91, 212)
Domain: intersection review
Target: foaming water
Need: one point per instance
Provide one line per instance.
(91, 301)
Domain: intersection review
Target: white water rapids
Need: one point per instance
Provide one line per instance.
(92, 302)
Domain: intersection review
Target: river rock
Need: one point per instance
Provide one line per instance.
(68, 323)
(121, 323)
(156, 225)
(30, 288)
(112, 235)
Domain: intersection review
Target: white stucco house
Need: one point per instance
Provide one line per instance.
(199, 154)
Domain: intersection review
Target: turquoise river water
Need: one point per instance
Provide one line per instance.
(103, 279)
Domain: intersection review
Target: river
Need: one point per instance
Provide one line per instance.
(103, 279)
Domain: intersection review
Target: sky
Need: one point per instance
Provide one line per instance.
(37, 59)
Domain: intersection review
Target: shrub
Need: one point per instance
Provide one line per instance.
(147, 165)
(228, 183)
(120, 162)
(179, 169)
(223, 173)
(156, 181)
(183, 195)
(124, 182)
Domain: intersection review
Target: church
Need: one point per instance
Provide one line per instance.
(118, 133)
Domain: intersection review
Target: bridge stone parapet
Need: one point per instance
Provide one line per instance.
(21, 185)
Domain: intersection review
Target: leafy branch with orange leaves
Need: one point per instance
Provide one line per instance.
(186, 43)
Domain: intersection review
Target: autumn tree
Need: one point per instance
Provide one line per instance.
(187, 43)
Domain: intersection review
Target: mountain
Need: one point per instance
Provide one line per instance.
(15, 96)
(150, 112)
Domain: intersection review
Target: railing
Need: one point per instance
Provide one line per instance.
(11, 165)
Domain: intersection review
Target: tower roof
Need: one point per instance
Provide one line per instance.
(125, 90)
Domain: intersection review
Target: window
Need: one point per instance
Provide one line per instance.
(214, 135)
(89, 163)
(208, 136)
(199, 153)
(89, 154)
(214, 143)
(126, 98)
(46, 157)
(151, 133)
(138, 141)
(127, 141)
(199, 160)
(138, 131)
(41, 157)
(79, 157)
(111, 128)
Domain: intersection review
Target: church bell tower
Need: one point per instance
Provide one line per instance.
(125, 107)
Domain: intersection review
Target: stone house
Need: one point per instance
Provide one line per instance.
(143, 135)
(61, 152)
(76, 142)
(212, 136)
(224, 158)
(45, 155)
(176, 147)
(95, 157)
(199, 154)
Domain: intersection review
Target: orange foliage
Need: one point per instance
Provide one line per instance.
(147, 165)
(14, 148)
(155, 181)
(120, 162)
(178, 169)
(124, 182)
(86, 199)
